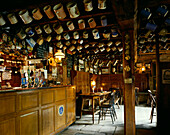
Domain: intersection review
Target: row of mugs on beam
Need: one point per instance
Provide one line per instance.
(57, 27)
(58, 10)
(100, 45)
(108, 48)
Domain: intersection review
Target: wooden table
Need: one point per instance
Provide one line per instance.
(93, 97)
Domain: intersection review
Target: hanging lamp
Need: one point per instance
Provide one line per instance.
(59, 55)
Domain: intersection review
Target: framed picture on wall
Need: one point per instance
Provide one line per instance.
(166, 76)
(105, 70)
(138, 65)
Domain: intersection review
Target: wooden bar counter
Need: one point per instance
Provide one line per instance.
(41, 111)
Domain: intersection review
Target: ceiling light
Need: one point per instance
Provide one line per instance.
(59, 55)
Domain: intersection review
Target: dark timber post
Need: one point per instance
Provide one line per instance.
(128, 76)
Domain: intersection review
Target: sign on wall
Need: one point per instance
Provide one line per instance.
(61, 110)
(166, 76)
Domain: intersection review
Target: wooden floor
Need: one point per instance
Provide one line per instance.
(84, 125)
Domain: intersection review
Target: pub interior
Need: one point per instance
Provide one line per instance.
(63, 59)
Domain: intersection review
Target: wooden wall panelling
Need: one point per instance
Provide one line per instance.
(7, 127)
(88, 83)
(70, 110)
(82, 81)
(36, 112)
(60, 94)
(47, 97)
(29, 124)
(105, 82)
(28, 100)
(116, 81)
(60, 120)
(47, 117)
(70, 92)
(163, 97)
(7, 105)
(142, 81)
(71, 107)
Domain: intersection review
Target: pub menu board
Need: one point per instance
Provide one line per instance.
(41, 50)
(69, 64)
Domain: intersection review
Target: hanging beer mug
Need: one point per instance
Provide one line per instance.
(40, 40)
(72, 48)
(76, 35)
(101, 44)
(101, 4)
(29, 31)
(70, 25)
(2, 21)
(21, 34)
(117, 43)
(102, 49)
(59, 11)
(96, 34)
(26, 18)
(92, 23)
(79, 47)
(67, 43)
(109, 43)
(58, 37)
(48, 11)
(38, 29)
(12, 18)
(106, 34)
(104, 21)
(48, 39)
(85, 35)
(47, 28)
(73, 9)
(167, 21)
(88, 5)
(114, 32)
(151, 26)
(59, 44)
(146, 13)
(81, 24)
(66, 36)
(73, 41)
(108, 49)
(37, 14)
(86, 45)
(162, 10)
(58, 28)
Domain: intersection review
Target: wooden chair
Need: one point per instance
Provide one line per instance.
(153, 105)
(136, 95)
(108, 106)
(117, 98)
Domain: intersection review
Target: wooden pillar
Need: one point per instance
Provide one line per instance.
(128, 76)
(158, 79)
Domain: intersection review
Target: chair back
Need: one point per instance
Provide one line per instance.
(152, 97)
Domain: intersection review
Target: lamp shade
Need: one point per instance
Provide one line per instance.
(93, 83)
(59, 54)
